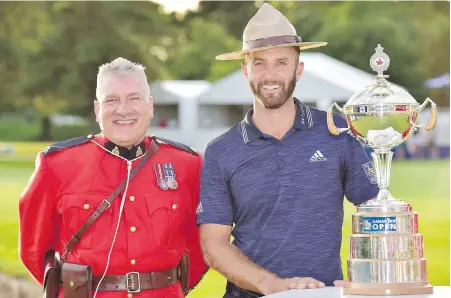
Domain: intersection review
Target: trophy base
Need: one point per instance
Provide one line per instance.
(388, 289)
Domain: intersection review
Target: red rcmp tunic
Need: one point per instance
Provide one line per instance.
(156, 227)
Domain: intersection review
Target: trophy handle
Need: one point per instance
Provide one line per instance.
(330, 120)
(433, 119)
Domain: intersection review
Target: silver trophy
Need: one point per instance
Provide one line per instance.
(386, 250)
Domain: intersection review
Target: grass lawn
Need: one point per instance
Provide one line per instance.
(424, 184)
(18, 130)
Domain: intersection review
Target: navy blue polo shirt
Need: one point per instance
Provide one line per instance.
(285, 198)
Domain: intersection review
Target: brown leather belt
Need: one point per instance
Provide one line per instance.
(135, 282)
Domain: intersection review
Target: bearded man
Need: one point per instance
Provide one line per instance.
(276, 181)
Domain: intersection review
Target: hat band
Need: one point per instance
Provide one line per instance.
(271, 41)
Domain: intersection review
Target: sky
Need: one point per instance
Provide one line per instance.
(177, 5)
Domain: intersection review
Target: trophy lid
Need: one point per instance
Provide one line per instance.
(381, 91)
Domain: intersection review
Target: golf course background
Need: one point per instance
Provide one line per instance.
(425, 184)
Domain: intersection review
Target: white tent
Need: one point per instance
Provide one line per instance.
(323, 81)
(173, 91)
(176, 106)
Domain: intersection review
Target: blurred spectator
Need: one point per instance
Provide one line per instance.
(422, 144)
(402, 152)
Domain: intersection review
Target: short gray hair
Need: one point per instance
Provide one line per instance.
(120, 67)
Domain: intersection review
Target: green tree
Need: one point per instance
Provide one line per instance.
(414, 34)
(11, 41)
(52, 49)
(62, 44)
(355, 28)
(232, 15)
(200, 42)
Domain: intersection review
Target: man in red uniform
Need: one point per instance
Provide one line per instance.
(135, 247)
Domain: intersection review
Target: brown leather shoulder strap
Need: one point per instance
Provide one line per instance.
(153, 148)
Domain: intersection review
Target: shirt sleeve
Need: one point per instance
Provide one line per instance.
(360, 176)
(215, 204)
(37, 219)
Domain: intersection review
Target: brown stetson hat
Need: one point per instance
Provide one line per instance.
(269, 28)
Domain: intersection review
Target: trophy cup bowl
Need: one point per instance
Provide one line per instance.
(386, 249)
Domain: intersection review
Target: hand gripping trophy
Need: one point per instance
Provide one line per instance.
(386, 250)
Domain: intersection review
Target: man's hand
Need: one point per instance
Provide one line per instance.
(342, 283)
(283, 284)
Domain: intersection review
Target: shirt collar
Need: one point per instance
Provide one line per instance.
(250, 132)
(129, 154)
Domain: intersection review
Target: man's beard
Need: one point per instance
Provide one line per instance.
(274, 101)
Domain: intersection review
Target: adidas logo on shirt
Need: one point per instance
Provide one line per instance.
(199, 208)
(318, 156)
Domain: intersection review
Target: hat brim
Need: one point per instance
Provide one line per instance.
(241, 54)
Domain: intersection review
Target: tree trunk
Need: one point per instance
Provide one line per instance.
(45, 129)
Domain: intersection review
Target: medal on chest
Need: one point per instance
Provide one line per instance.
(165, 175)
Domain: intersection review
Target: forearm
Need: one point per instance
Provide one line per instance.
(236, 267)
